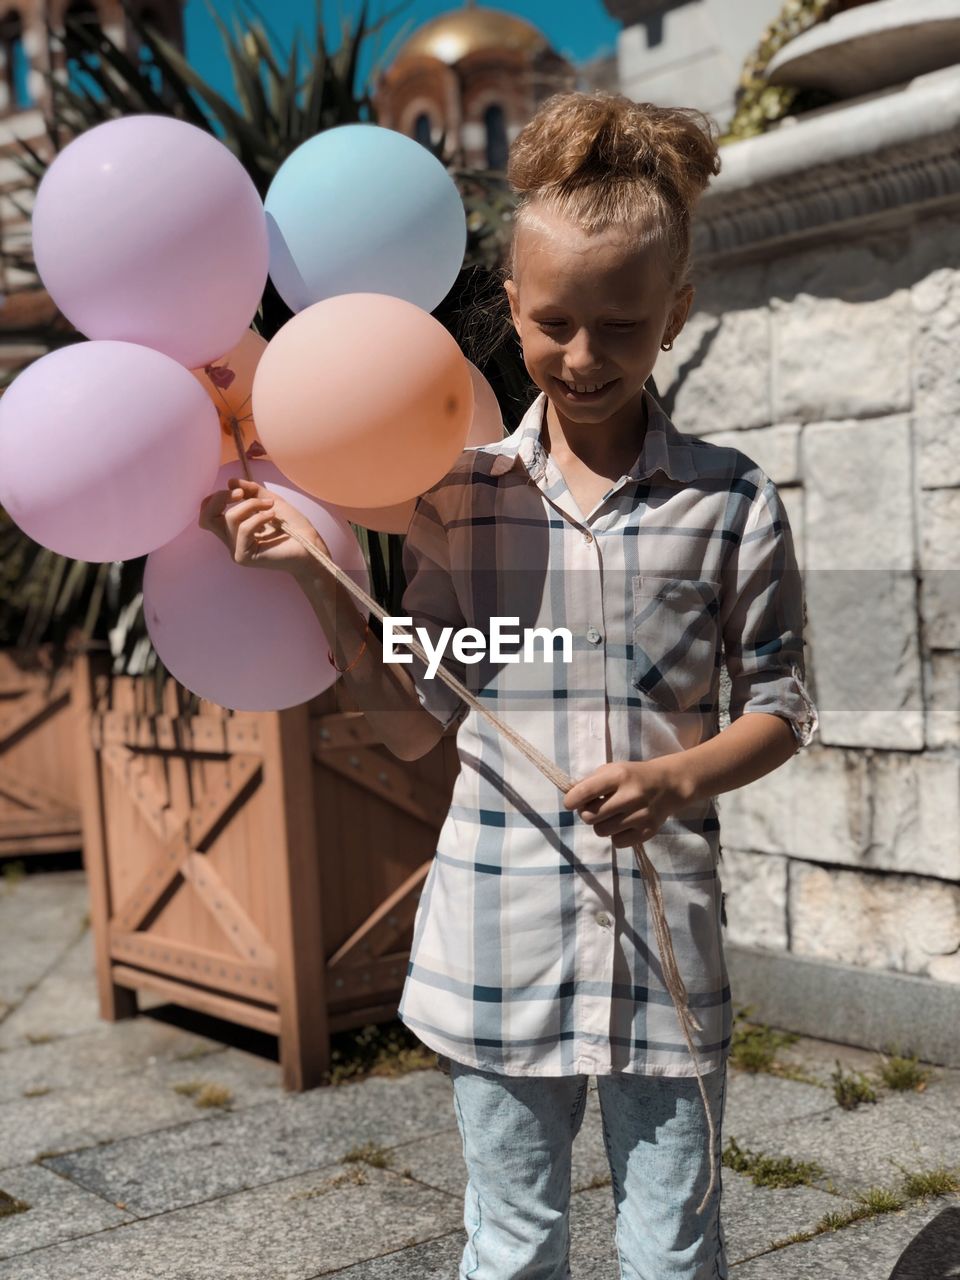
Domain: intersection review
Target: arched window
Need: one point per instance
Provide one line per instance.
(16, 65)
(422, 130)
(496, 126)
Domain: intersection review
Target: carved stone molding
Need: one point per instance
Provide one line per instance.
(823, 199)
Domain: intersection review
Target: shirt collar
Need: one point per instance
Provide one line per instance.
(664, 447)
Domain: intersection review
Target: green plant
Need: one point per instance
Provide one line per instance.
(770, 1171)
(851, 1088)
(759, 104)
(753, 1045)
(903, 1073)
(370, 1153)
(10, 1204)
(389, 1049)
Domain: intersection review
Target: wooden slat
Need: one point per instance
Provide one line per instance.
(181, 993)
(33, 794)
(382, 927)
(362, 981)
(391, 782)
(212, 806)
(241, 932)
(39, 824)
(200, 735)
(347, 1019)
(154, 882)
(31, 708)
(64, 842)
(342, 729)
(153, 804)
(197, 964)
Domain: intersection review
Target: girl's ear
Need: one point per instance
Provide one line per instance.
(513, 295)
(679, 312)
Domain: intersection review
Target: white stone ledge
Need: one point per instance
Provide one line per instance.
(928, 106)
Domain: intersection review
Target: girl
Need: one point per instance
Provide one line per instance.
(534, 964)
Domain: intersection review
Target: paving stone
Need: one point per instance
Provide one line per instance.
(40, 918)
(760, 1103)
(285, 1231)
(113, 1048)
(188, 1163)
(868, 1146)
(63, 1004)
(59, 1210)
(754, 1217)
(865, 1250)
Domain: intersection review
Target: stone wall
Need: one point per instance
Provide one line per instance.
(832, 358)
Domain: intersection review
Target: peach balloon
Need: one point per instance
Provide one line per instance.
(487, 424)
(229, 383)
(395, 519)
(363, 399)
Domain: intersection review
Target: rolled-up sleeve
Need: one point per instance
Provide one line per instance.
(762, 620)
(430, 600)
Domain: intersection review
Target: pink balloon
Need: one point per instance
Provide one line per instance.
(241, 637)
(149, 230)
(106, 449)
(487, 424)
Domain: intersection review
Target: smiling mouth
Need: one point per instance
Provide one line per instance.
(598, 389)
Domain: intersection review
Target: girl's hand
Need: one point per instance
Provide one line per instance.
(243, 515)
(629, 801)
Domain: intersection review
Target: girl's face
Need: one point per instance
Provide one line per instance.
(591, 312)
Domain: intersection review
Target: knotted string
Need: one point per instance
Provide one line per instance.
(651, 879)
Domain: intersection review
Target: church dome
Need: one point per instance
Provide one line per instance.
(453, 35)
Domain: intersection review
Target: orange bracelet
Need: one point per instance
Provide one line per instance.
(344, 670)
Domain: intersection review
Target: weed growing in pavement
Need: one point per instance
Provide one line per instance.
(205, 1095)
(903, 1072)
(38, 1091)
(753, 1047)
(770, 1171)
(13, 873)
(10, 1205)
(349, 1178)
(371, 1154)
(388, 1049)
(851, 1088)
(931, 1182)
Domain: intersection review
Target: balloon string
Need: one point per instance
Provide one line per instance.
(651, 879)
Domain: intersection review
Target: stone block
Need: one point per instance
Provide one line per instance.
(834, 358)
(793, 501)
(936, 375)
(860, 584)
(721, 378)
(940, 567)
(938, 454)
(812, 807)
(755, 885)
(915, 814)
(881, 922)
(774, 449)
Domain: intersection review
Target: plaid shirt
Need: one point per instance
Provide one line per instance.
(533, 949)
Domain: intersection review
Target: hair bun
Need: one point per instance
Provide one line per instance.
(582, 139)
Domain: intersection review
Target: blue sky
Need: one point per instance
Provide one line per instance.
(579, 29)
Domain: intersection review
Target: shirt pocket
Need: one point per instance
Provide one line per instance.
(676, 639)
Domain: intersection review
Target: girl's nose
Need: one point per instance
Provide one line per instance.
(583, 356)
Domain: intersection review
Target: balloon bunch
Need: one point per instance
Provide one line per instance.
(152, 240)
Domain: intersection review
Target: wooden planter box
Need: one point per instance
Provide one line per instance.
(39, 807)
(261, 867)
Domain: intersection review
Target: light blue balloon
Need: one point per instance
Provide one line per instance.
(364, 209)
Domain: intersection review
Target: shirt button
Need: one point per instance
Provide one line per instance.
(593, 635)
(603, 920)
(588, 537)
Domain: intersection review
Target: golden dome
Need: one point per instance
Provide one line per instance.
(453, 35)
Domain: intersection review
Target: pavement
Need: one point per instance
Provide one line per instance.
(127, 1177)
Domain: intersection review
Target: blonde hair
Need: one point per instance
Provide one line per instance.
(600, 159)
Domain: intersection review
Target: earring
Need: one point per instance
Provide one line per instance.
(666, 346)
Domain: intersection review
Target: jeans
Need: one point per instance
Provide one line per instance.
(518, 1133)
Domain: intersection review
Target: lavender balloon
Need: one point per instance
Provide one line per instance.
(242, 637)
(149, 230)
(106, 450)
